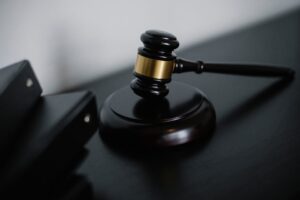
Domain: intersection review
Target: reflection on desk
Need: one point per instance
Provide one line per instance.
(255, 150)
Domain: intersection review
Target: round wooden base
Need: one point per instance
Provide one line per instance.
(183, 116)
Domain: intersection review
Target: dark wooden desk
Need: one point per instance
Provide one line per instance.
(255, 150)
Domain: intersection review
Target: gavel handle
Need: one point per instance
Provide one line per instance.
(236, 69)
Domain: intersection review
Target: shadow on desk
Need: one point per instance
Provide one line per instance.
(255, 151)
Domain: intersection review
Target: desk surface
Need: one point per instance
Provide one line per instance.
(255, 150)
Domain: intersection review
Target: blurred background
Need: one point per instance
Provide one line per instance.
(70, 42)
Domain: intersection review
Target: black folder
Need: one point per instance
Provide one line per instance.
(50, 141)
(19, 92)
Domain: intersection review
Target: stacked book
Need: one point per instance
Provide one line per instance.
(42, 138)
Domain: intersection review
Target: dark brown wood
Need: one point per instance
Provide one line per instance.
(254, 152)
(159, 45)
(183, 65)
(183, 116)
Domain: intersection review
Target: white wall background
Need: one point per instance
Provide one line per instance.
(73, 41)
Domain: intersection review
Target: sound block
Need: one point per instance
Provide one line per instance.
(50, 141)
(183, 116)
(19, 92)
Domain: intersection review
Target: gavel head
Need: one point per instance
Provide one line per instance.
(154, 64)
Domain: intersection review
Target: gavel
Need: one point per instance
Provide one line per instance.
(156, 62)
(153, 111)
